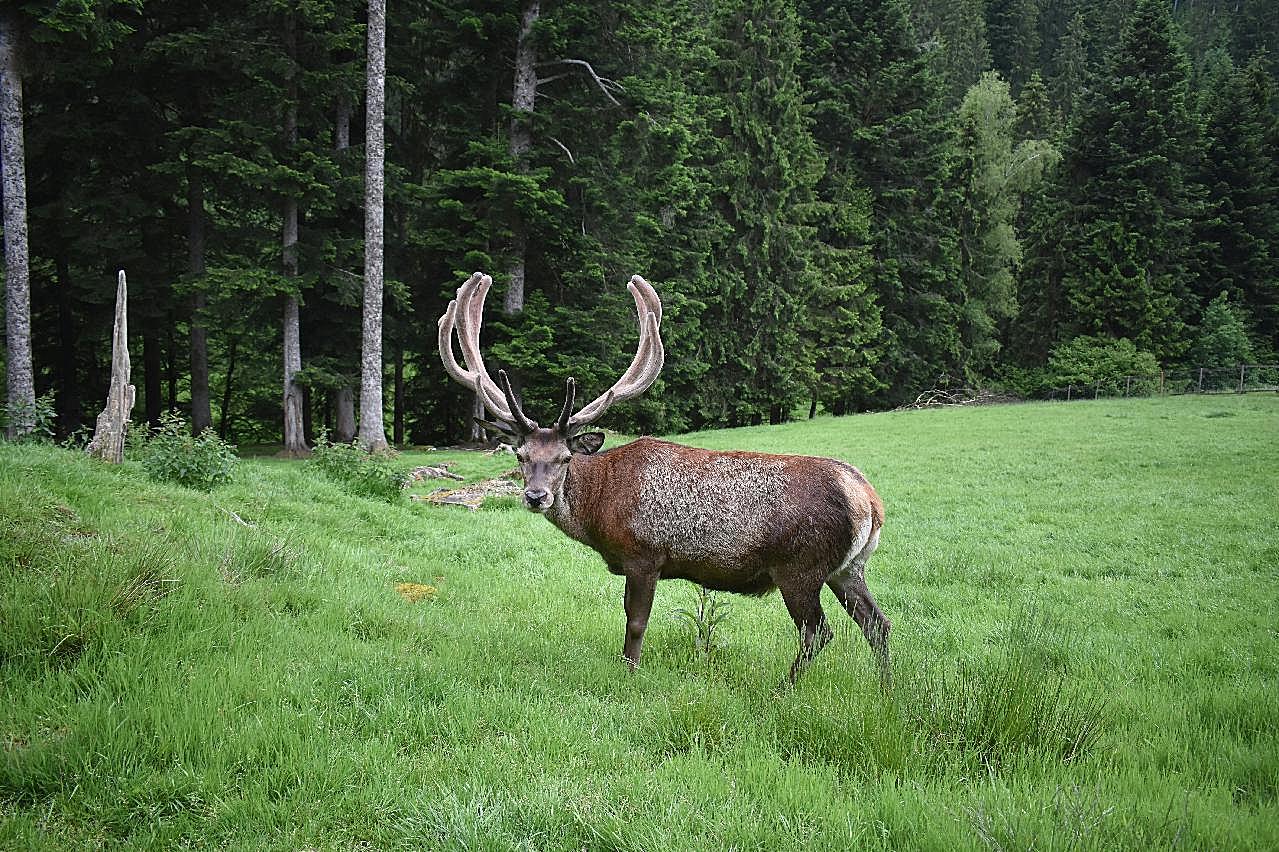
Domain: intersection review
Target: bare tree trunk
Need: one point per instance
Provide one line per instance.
(201, 415)
(21, 378)
(294, 438)
(342, 124)
(152, 380)
(372, 429)
(344, 428)
(397, 427)
(113, 422)
(224, 415)
(523, 101)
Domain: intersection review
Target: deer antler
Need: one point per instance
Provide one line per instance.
(645, 366)
(465, 315)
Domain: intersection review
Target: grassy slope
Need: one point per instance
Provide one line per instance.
(172, 677)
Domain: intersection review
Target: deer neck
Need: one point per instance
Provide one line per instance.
(569, 497)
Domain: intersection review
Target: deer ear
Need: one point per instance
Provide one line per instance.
(505, 435)
(586, 443)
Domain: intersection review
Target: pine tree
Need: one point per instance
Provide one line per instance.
(1114, 250)
(1035, 116)
(1013, 29)
(768, 169)
(957, 31)
(879, 114)
(1241, 173)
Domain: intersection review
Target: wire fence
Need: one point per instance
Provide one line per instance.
(1244, 378)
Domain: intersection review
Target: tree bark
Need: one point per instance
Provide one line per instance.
(152, 380)
(372, 429)
(201, 415)
(523, 101)
(224, 416)
(113, 422)
(21, 377)
(398, 417)
(344, 429)
(294, 439)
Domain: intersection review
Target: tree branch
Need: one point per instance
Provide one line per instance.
(605, 85)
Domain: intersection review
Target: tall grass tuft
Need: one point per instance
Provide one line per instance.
(1017, 702)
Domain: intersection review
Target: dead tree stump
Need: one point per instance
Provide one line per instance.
(113, 422)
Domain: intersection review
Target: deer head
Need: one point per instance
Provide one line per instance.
(544, 453)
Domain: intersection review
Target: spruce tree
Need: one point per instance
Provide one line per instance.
(1116, 250)
(879, 111)
(757, 324)
(1241, 173)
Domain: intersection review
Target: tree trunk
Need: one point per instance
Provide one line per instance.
(308, 416)
(398, 421)
(372, 430)
(523, 101)
(344, 429)
(201, 416)
(294, 439)
(171, 366)
(68, 387)
(21, 378)
(224, 416)
(113, 422)
(152, 380)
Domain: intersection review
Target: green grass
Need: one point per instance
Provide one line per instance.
(1085, 635)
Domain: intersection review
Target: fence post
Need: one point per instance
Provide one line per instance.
(1161, 381)
(1096, 389)
(1069, 388)
(1127, 384)
(1200, 388)
(1242, 367)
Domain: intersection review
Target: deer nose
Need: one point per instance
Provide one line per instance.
(534, 496)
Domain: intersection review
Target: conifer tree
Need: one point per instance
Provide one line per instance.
(767, 172)
(879, 112)
(1241, 173)
(1114, 249)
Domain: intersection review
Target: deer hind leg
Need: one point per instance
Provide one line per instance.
(848, 583)
(804, 605)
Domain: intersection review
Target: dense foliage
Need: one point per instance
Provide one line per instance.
(360, 472)
(841, 204)
(172, 454)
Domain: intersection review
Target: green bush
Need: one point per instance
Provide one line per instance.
(41, 415)
(1089, 362)
(360, 472)
(171, 454)
(1222, 338)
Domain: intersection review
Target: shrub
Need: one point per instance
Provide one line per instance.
(360, 472)
(1222, 339)
(41, 415)
(172, 454)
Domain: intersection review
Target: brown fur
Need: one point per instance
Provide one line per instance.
(732, 521)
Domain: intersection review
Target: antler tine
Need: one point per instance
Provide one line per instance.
(650, 355)
(514, 404)
(569, 394)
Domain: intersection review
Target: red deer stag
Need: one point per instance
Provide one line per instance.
(730, 521)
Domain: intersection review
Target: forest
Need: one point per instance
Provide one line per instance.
(842, 204)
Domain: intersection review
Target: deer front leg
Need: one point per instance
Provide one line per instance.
(638, 601)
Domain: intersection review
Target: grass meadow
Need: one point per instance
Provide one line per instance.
(1085, 635)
